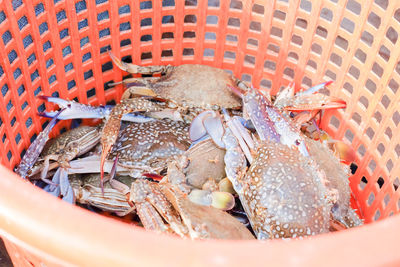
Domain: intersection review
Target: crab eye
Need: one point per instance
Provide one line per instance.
(69, 105)
(297, 142)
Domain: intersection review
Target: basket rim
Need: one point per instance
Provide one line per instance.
(87, 241)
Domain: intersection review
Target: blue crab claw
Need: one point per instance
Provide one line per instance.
(61, 186)
(34, 150)
(207, 122)
(74, 110)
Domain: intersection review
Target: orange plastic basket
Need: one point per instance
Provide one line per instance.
(59, 48)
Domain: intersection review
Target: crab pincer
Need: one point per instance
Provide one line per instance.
(34, 150)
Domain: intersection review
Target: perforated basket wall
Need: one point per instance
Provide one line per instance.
(59, 48)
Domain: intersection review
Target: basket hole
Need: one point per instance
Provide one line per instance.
(4, 90)
(27, 41)
(374, 20)
(349, 136)
(98, 2)
(31, 58)
(293, 56)
(12, 122)
(341, 42)
(326, 14)
(52, 79)
(16, 4)
(210, 36)
(230, 55)
(168, 35)
(382, 3)
(213, 3)
(266, 83)
(103, 33)
(367, 38)
(4, 138)
(377, 215)
(360, 55)
(258, 9)
(276, 32)
(334, 122)
(322, 32)
(190, 2)
(384, 52)
(166, 3)
(126, 26)
(396, 184)
(371, 86)
(37, 91)
(271, 65)
(246, 77)
(103, 15)
(71, 84)
(306, 81)
(146, 38)
(394, 86)
(356, 118)
(397, 150)
(397, 68)
(12, 56)
(250, 59)
(386, 200)
(236, 5)
(28, 124)
(167, 19)
(370, 133)
(279, 15)
(17, 73)
(378, 116)
(231, 38)
(23, 106)
(388, 133)
(255, 26)
(378, 70)
(311, 63)
(125, 9)
(389, 165)
(190, 19)
(90, 93)
(49, 63)
(87, 75)
(189, 34)
(385, 101)
(213, 20)
(146, 5)
(125, 42)
(146, 22)
(234, 22)
(371, 199)
(39, 9)
(301, 23)
(251, 41)
(316, 48)
(336, 59)
(274, 49)
(306, 5)
(361, 150)
(397, 15)
(18, 138)
(22, 22)
(381, 149)
(106, 66)
(289, 72)
(188, 52)
(146, 55)
(208, 52)
(363, 101)
(354, 7)
(86, 57)
(61, 16)
(297, 40)
(167, 53)
(355, 72)
(83, 41)
(331, 75)
(392, 35)
(66, 51)
(347, 25)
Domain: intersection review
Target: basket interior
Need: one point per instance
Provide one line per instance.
(59, 48)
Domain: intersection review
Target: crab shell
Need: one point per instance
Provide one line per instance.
(197, 86)
(150, 145)
(283, 195)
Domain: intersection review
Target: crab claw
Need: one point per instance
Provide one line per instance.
(315, 102)
(34, 150)
(74, 110)
(207, 122)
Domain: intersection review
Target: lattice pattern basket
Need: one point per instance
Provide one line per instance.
(58, 47)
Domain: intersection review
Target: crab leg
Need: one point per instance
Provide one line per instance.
(36, 148)
(131, 68)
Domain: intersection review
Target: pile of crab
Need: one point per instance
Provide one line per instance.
(198, 153)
